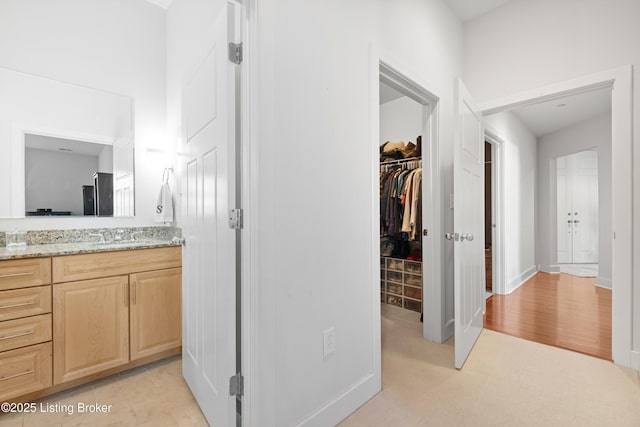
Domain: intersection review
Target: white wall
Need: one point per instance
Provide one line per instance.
(520, 148)
(105, 160)
(400, 120)
(594, 132)
(54, 180)
(527, 44)
(114, 46)
(314, 245)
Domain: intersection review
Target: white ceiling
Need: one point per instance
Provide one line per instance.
(387, 94)
(467, 10)
(162, 3)
(49, 143)
(547, 117)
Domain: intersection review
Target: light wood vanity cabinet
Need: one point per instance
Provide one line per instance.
(68, 320)
(105, 322)
(25, 326)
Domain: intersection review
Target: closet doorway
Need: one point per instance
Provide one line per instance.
(407, 192)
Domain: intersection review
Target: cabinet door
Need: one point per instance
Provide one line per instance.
(90, 327)
(155, 316)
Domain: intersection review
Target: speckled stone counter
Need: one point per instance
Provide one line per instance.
(43, 243)
(34, 251)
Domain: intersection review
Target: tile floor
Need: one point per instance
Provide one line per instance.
(151, 396)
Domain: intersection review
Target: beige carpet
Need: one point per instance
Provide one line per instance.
(505, 382)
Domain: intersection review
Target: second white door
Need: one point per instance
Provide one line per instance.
(578, 208)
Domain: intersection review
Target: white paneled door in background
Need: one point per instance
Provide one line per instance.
(123, 176)
(577, 215)
(468, 223)
(209, 257)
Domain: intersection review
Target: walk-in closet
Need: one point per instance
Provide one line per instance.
(401, 123)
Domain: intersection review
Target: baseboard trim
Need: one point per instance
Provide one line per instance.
(551, 269)
(635, 360)
(333, 412)
(603, 282)
(449, 330)
(520, 279)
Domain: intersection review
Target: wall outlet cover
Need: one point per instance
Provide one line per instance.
(329, 342)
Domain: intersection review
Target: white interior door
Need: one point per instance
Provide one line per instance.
(585, 207)
(577, 185)
(209, 189)
(564, 214)
(123, 176)
(468, 222)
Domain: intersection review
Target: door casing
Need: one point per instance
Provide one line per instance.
(620, 81)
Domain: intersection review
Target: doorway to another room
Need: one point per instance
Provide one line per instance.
(405, 186)
(489, 222)
(559, 228)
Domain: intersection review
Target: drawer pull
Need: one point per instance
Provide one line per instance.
(17, 375)
(8, 337)
(22, 304)
(6, 276)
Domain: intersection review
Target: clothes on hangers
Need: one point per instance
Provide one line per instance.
(400, 202)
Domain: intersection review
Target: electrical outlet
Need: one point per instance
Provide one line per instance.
(329, 340)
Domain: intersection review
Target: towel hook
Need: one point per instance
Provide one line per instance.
(166, 175)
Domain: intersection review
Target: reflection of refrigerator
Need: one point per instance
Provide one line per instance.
(88, 200)
(103, 194)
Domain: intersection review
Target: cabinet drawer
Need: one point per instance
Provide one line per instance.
(25, 302)
(394, 264)
(23, 332)
(25, 370)
(107, 264)
(413, 267)
(22, 273)
(412, 279)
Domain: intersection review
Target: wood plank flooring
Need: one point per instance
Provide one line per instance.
(561, 310)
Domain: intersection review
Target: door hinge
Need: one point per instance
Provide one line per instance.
(235, 53)
(236, 385)
(235, 219)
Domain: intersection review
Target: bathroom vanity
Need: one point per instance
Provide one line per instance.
(75, 312)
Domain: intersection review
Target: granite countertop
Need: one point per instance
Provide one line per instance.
(45, 250)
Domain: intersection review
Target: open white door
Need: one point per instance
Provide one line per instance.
(209, 257)
(123, 176)
(468, 222)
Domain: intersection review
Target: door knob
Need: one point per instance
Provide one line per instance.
(469, 237)
(452, 236)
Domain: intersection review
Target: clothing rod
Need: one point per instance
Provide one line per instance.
(399, 161)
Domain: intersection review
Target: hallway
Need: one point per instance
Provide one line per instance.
(556, 309)
(505, 381)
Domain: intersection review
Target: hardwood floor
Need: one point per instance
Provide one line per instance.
(556, 309)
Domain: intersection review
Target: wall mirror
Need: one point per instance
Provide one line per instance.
(67, 150)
